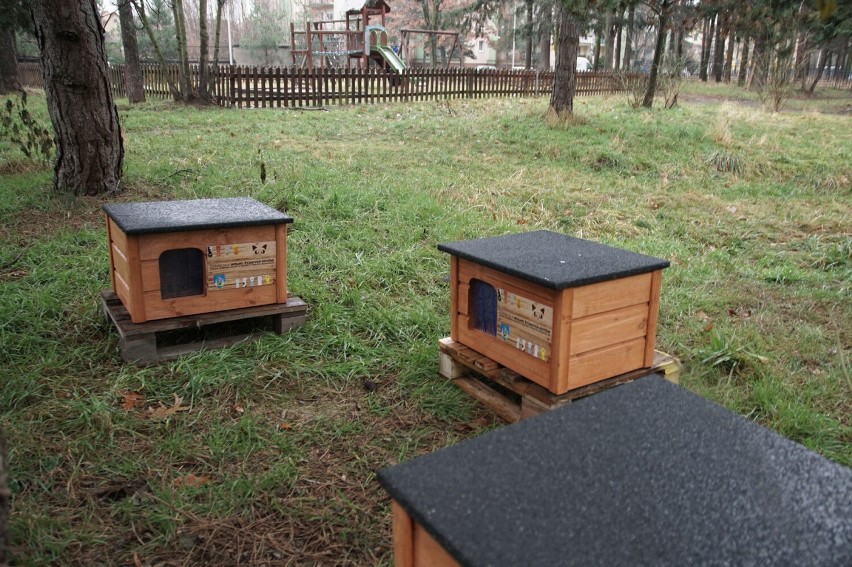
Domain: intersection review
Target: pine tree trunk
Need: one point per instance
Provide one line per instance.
(660, 47)
(759, 62)
(135, 81)
(616, 63)
(628, 40)
(184, 79)
(9, 82)
(824, 56)
(139, 6)
(719, 48)
(219, 5)
(565, 75)
(596, 66)
(529, 30)
(607, 66)
(702, 66)
(729, 56)
(743, 71)
(89, 147)
(4, 500)
(203, 38)
(545, 29)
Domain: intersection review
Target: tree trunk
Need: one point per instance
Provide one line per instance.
(9, 82)
(759, 62)
(219, 5)
(719, 48)
(89, 147)
(705, 39)
(660, 47)
(799, 65)
(824, 56)
(135, 81)
(203, 39)
(743, 70)
(596, 65)
(4, 499)
(565, 75)
(616, 63)
(842, 64)
(545, 30)
(184, 79)
(139, 5)
(628, 40)
(607, 66)
(529, 29)
(729, 56)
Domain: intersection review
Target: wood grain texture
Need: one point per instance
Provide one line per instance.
(158, 308)
(597, 331)
(454, 298)
(281, 263)
(403, 536)
(606, 362)
(653, 316)
(560, 363)
(615, 294)
(428, 552)
(153, 245)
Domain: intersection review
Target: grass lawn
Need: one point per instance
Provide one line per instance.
(274, 458)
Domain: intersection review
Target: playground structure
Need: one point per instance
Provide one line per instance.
(340, 43)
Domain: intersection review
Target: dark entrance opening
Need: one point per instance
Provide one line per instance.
(181, 273)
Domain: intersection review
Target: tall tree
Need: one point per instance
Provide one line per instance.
(89, 146)
(629, 37)
(719, 47)
(545, 19)
(663, 9)
(132, 66)
(8, 61)
(528, 30)
(570, 17)
(743, 66)
(14, 15)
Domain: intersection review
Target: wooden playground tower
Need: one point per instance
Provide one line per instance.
(333, 42)
(337, 43)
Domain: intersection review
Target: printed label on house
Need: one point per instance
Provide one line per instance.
(245, 264)
(526, 324)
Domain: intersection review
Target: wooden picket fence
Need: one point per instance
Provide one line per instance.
(253, 87)
(261, 87)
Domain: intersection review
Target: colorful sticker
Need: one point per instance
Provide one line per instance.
(240, 265)
(525, 323)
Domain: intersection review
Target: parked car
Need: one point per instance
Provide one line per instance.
(583, 64)
(486, 68)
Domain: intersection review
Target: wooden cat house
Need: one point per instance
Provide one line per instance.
(562, 312)
(176, 258)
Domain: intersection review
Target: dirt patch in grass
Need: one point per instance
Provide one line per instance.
(796, 103)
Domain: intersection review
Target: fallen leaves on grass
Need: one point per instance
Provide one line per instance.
(131, 400)
(190, 480)
(164, 412)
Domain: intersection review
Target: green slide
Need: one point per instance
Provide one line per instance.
(390, 56)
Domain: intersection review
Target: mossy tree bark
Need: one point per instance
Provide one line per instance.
(89, 146)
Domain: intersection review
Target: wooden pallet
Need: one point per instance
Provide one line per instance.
(511, 396)
(139, 344)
